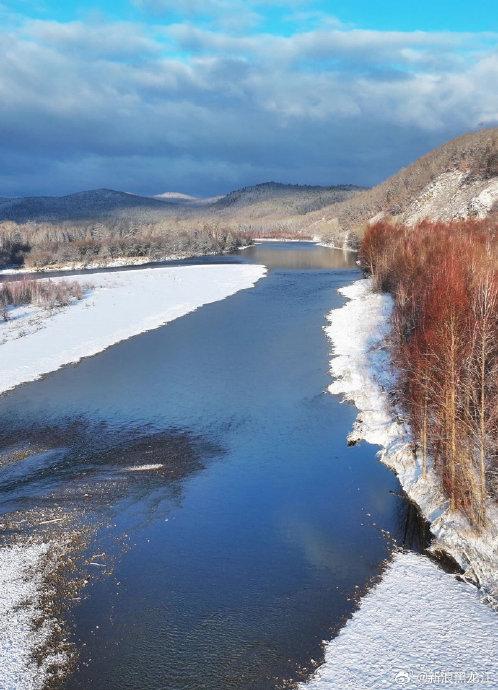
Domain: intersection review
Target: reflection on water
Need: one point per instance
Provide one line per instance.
(247, 545)
(292, 255)
(299, 255)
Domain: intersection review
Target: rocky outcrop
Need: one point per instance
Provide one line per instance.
(458, 180)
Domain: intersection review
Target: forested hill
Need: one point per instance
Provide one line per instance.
(456, 181)
(271, 199)
(89, 204)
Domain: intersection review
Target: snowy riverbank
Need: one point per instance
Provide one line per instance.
(25, 629)
(119, 262)
(362, 373)
(418, 627)
(118, 305)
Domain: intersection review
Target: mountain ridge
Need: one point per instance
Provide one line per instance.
(94, 203)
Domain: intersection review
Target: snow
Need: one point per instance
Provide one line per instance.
(260, 240)
(118, 305)
(484, 202)
(453, 195)
(419, 627)
(22, 581)
(145, 468)
(362, 373)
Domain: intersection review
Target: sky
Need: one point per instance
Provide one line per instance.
(206, 96)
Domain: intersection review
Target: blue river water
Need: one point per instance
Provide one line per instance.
(251, 544)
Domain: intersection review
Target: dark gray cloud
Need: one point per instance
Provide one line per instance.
(150, 108)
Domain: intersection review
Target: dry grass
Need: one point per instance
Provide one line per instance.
(48, 294)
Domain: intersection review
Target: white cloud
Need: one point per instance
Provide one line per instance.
(151, 108)
(231, 15)
(97, 39)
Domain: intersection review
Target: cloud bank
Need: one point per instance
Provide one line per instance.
(203, 107)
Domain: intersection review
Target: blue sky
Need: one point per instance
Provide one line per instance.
(382, 15)
(204, 96)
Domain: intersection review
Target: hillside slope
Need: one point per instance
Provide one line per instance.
(82, 205)
(266, 203)
(271, 208)
(274, 197)
(457, 180)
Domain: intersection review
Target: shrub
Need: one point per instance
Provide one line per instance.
(48, 294)
(444, 280)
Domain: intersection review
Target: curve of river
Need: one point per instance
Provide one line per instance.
(250, 545)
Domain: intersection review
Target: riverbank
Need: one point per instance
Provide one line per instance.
(409, 628)
(362, 373)
(120, 262)
(417, 627)
(116, 306)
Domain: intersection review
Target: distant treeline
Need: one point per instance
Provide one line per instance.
(39, 245)
(444, 281)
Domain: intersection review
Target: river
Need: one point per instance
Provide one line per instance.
(228, 566)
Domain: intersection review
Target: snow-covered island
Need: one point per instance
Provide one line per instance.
(116, 306)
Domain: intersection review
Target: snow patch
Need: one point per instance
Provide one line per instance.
(419, 627)
(121, 304)
(485, 201)
(144, 468)
(24, 628)
(453, 195)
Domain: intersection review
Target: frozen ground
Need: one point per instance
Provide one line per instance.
(418, 628)
(117, 306)
(24, 628)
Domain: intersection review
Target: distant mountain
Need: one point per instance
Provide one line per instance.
(82, 205)
(456, 180)
(291, 198)
(264, 203)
